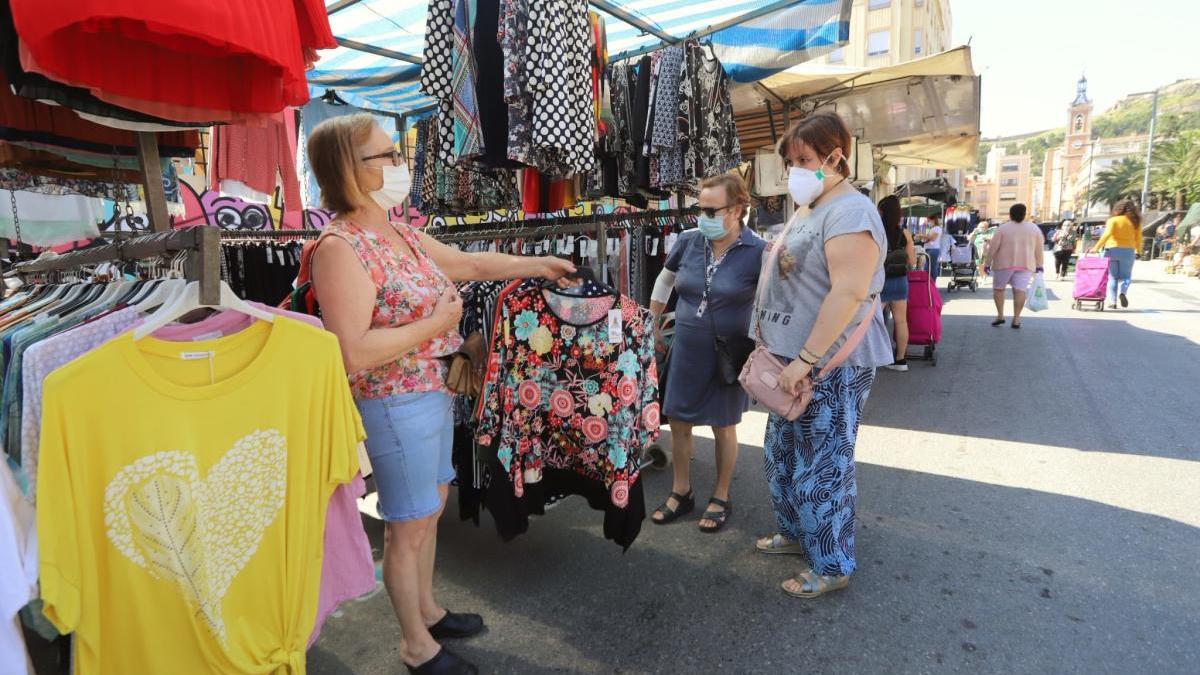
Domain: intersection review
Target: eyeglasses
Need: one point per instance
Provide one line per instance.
(394, 155)
(712, 212)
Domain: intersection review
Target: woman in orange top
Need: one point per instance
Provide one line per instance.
(1121, 242)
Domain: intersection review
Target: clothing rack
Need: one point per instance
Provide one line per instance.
(200, 243)
(268, 234)
(543, 227)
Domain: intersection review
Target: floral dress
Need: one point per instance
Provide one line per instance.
(560, 394)
(407, 289)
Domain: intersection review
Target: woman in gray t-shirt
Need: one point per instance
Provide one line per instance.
(822, 284)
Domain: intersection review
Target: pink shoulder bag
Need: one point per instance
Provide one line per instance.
(760, 375)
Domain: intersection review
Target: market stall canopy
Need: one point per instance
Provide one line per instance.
(924, 112)
(378, 63)
(936, 189)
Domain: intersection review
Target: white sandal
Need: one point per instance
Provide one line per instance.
(779, 544)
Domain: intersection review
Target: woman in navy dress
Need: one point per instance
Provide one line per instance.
(714, 269)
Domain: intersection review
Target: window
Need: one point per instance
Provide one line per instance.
(1009, 182)
(838, 55)
(918, 41)
(1011, 167)
(1008, 196)
(879, 4)
(878, 43)
(918, 3)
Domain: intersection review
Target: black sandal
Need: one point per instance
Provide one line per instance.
(998, 322)
(686, 504)
(719, 517)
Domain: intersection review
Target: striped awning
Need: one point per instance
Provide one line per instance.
(378, 63)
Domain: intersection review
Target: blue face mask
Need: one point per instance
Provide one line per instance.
(712, 228)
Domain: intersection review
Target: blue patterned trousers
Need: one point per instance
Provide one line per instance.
(810, 470)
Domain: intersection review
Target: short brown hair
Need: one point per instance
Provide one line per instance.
(334, 147)
(735, 188)
(824, 132)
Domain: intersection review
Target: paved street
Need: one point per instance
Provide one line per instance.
(1030, 505)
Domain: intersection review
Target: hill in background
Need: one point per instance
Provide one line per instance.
(1178, 110)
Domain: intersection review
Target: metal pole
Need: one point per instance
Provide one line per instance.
(633, 20)
(1149, 151)
(1087, 202)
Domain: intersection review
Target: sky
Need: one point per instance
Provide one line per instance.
(1031, 53)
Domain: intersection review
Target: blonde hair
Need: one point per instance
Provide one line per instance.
(334, 149)
(735, 188)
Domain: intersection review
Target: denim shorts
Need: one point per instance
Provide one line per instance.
(409, 440)
(894, 289)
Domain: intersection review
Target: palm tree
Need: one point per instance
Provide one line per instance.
(1176, 167)
(1122, 180)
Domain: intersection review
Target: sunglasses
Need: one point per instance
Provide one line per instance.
(712, 212)
(393, 155)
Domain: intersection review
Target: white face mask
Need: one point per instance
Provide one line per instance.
(806, 185)
(396, 184)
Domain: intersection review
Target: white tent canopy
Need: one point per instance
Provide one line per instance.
(920, 113)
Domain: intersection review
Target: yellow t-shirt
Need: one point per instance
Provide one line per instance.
(182, 492)
(1120, 232)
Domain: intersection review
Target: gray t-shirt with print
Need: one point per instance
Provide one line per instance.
(799, 282)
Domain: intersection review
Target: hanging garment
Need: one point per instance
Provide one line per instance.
(257, 156)
(203, 537)
(35, 86)
(468, 137)
(148, 56)
(347, 570)
(513, 36)
(18, 584)
(570, 398)
(489, 86)
(718, 149)
(50, 220)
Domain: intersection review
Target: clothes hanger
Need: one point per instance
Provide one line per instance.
(189, 300)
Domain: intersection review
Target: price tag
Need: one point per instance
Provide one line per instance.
(614, 326)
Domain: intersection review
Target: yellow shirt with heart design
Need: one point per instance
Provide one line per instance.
(182, 496)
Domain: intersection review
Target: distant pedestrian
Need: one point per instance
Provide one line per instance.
(1121, 243)
(1015, 253)
(933, 247)
(901, 257)
(1064, 248)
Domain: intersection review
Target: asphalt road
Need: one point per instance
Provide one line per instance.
(1030, 505)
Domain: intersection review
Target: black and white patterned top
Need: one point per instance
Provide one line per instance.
(558, 63)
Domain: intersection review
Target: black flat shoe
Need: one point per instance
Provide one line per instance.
(457, 626)
(1124, 300)
(445, 662)
(998, 322)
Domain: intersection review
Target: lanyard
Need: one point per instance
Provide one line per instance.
(710, 269)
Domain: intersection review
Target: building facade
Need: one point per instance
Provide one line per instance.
(1008, 180)
(890, 32)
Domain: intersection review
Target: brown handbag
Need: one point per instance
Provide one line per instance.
(465, 373)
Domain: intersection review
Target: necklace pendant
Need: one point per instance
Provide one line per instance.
(701, 307)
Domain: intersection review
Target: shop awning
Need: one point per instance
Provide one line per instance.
(920, 113)
(378, 63)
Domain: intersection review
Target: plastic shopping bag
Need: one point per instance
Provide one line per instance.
(1037, 294)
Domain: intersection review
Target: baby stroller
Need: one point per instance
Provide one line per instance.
(962, 265)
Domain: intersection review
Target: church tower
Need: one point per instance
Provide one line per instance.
(1079, 129)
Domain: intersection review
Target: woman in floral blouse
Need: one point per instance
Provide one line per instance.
(387, 292)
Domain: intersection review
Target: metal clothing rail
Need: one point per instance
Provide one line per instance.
(200, 243)
(540, 227)
(268, 234)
